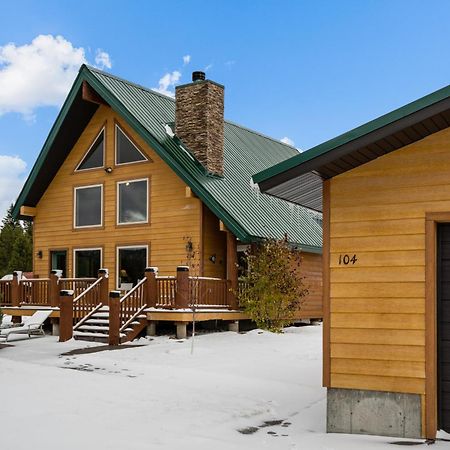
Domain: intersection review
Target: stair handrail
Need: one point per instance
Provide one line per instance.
(133, 317)
(87, 316)
(133, 290)
(87, 290)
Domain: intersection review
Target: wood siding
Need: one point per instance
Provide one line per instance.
(214, 243)
(377, 305)
(172, 215)
(311, 270)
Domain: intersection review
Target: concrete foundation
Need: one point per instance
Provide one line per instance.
(181, 330)
(234, 326)
(55, 329)
(151, 329)
(373, 412)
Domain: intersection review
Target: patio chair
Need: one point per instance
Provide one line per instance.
(31, 325)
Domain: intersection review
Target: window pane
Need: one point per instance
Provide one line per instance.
(133, 201)
(95, 156)
(126, 151)
(87, 263)
(132, 263)
(88, 206)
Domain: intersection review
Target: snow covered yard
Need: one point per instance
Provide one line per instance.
(160, 396)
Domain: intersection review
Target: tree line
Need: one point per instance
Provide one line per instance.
(16, 244)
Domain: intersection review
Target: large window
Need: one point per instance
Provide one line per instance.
(132, 201)
(94, 157)
(131, 263)
(87, 262)
(88, 206)
(126, 151)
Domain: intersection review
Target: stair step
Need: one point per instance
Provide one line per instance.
(88, 327)
(98, 321)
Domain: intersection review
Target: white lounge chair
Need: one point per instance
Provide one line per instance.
(31, 325)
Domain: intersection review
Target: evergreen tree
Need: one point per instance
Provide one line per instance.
(16, 244)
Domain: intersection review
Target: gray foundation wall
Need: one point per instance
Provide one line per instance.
(373, 412)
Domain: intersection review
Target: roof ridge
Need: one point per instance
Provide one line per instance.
(123, 80)
(144, 88)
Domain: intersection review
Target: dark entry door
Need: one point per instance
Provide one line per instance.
(443, 326)
(58, 261)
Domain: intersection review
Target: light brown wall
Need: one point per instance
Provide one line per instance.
(311, 271)
(172, 214)
(214, 243)
(377, 211)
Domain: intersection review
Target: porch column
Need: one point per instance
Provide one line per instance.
(103, 291)
(232, 269)
(15, 296)
(114, 318)
(151, 288)
(182, 294)
(53, 288)
(65, 315)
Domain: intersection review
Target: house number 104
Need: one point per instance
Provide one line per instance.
(347, 259)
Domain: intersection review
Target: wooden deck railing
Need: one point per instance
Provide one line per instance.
(132, 303)
(34, 291)
(166, 289)
(77, 285)
(208, 292)
(5, 292)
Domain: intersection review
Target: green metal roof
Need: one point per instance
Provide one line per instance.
(233, 198)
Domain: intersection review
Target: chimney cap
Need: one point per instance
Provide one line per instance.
(198, 75)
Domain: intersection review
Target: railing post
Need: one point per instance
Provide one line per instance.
(65, 315)
(182, 293)
(151, 291)
(103, 288)
(15, 290)
(53, 291)
(114, 318)
(15, 296)
(231, 295)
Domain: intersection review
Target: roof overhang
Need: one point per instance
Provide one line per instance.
(299, 179)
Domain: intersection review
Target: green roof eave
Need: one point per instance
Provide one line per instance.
(351, 135)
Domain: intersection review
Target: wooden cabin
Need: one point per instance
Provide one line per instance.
(386, 253)
(129, 179)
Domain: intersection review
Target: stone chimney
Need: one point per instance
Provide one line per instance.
(199, 120)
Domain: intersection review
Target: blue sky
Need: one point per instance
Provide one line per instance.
(305, 70)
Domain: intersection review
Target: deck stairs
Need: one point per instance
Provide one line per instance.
(96, 327)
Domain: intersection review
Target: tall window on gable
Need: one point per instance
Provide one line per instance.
(126, 151)
(132, 201)
(88, 206)
(94, 157)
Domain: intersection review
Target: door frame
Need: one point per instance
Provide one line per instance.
(50, 251)
(432, 219)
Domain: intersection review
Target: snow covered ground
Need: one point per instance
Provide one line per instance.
(160, 396)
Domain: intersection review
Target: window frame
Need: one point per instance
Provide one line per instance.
(131, 246)
(147, 208)
(116, 128)
(82, 249)
(75, 189)
(102, 130)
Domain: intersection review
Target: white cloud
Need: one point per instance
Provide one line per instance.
(186, 59)
(287, 141)
(12, 177)
(102, 60)
(40, 73)
(168, 81)
(208, 67)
